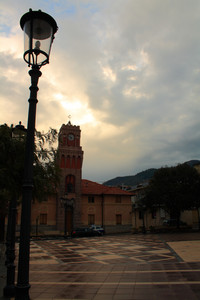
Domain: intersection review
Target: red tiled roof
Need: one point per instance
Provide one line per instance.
(94, 188)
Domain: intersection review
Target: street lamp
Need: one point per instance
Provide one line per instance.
(19, 131)
(39, 29)
(68, 204)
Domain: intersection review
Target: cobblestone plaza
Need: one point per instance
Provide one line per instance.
(116, 267)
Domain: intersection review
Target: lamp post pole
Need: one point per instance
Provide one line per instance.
(65, 220)
(9, 289)
(22, 287)
(143, 216)
(39, 29)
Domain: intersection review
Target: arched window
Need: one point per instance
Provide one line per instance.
(79, 162)
(64, 140)
(68, 162)
(73, 162)
(78, 141)
(70, 184)
(62, 161)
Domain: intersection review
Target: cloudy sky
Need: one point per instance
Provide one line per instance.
(127, 71)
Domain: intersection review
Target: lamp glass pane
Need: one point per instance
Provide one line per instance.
(26, 36)
(39, 39)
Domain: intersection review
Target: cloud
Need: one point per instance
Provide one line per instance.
(126, 71)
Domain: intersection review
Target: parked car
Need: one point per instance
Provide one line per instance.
(84, 232)
(98, 229)
(173, 222)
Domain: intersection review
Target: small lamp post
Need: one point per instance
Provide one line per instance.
(67, 203)
(19, 131)
(143, 222)
(39, 29)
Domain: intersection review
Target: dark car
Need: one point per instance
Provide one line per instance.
(173, 222)
(84, 232)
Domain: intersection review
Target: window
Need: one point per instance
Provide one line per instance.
(141, 214)
(118, 219)
(43, 219)
(73, 162)
(162, 213)
(118, 199)
(70, 184)
(90, 199)
(79, 162)
(91, 219)
(153, 214)
(62, 162)
(64, 140)
(68, 162)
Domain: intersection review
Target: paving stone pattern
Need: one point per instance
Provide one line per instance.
(106, 250)
(114, 267)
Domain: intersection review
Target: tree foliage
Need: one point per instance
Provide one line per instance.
(11, 165)
(175, 189)
(46, 170)
(12, 151)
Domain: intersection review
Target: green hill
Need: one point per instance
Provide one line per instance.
(132, 180)
(140, 178)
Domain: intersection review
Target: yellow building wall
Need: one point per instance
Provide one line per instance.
(45, 207)
(110, 209)
(190, 217)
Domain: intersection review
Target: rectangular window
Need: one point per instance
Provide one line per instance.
(154, 214)
(118, 199)
(91, 219)
(91, 199)
(43, 219)
(118, 219)
(141, 214)
(162, 213)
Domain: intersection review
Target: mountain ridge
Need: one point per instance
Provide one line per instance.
(140, 178)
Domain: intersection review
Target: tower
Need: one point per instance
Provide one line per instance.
(70, 161)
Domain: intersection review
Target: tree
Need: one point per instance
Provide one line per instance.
(175, 189)
(45, 179)
(46, 171)
(11, 166)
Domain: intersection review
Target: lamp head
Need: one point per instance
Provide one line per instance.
(39, 29)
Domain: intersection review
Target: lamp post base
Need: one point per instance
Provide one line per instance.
(9, 291)
(22, 292)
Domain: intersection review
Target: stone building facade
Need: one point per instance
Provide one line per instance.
(79, 202)
(110, 207)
